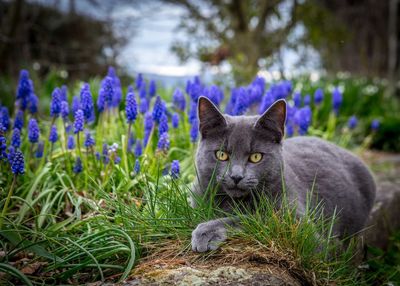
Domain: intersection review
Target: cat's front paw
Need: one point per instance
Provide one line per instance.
(208, 236)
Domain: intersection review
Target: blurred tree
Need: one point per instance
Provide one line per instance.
(46, 38)
(244, 32)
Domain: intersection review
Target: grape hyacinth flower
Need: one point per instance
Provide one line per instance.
(33, 103)
(64, 93)
(16, 138)
(19, 120)
(163, 142)
(130, 106)
(18, 163)
(24, 90)
(76, 104)
(241, 103)
(289, 129)
(142, 91)
(179, 100)
(318, 96)
(215, 94)
(5, 118)
(303, 119)
(106, 93)
(148, 126)
(3, 147)
(143, 106)
(192, 111)
(87, 105)
(297, 99)
(137, 167)
(352, 123)
(55, 104)
(194, 131)
(375, 125)
(53, 137)
(139, 81)
(152, 88)
(33, 131)
(307, 100)
(337, 99)
(163, 126)
(79, 121)
(10, 155)
(106, 159)
(117, 95)
(158, 109)
(131, 142)
(78, 166)
(39, 150)
(175, 169)
(97, 156)
(64, 110)
(175, 120)
(89, 140)
(71, 142)
(138, 148)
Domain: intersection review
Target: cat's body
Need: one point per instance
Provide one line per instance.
(339, 179)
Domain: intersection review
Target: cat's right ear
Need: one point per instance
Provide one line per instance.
(210, 119)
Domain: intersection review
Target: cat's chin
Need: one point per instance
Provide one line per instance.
(236, 193)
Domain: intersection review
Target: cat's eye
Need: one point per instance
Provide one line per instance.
(255, 157)
(221, 155)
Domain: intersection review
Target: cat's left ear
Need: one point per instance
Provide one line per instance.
(274, 119)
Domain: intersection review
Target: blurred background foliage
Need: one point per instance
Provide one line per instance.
(356, 43)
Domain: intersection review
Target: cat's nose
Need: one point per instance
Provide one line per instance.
(236, 178)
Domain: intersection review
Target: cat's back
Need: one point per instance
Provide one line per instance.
(340, 177)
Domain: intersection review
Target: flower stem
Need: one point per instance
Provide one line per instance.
(3, 213)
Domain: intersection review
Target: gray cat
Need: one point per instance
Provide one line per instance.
(249, 156)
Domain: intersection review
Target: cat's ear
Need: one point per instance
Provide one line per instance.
(274, 119)
(210, 119)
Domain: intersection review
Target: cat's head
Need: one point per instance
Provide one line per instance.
(243, 151)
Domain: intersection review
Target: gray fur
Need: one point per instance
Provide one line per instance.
(342, 181)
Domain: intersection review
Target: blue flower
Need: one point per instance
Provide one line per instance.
(19, 120)
(352, 123)
(53, 137)
(87, 105)
(76, 104)
(297, 99)
(64, 93)
(78, 166)
(143, 106)
(215, 94)
(117, 95)
(89, 140)
(318, 96)
(10, 155)
(175, 120)
(97, 156)
(375, 124)
(289, 129)
(175, 169)
(40, 149)
(163, 126)
(303, 119)
(196, 89)
(138, 148)
(152, 88)
(64, 110)
(24, 89)
(106, 159)
(193, 111)
(260, 82)
(18, 163)
(55, 105)
(163, 142)
(33, 131)
(337, 99)
(130, 107)
(33, 103)
(5, 118)
(131, 142)
(16, 138)
(106, 93)
(307, 99)
(241, 103)
(137, 167)
(148, 122)
(194, 130)
(139, 81)
(3, 147)
(142, 90)
(79, 121)
(158, 109)
(179, 100)
(71, 142)
(254, 94)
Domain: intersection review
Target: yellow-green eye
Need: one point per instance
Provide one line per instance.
(255, 157)
(221, 155)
